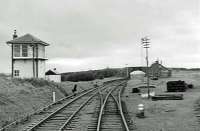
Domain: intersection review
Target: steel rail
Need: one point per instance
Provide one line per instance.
(121, 111)
(51, 115)
(102, 107)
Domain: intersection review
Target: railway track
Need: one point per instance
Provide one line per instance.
(80, 113)
(110, 115)
(58, 118)
(65, 116)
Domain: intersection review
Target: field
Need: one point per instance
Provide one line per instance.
(166, 115)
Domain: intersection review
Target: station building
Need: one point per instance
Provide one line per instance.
(27, 56)
(159, 71)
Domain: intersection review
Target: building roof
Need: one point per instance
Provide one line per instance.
(52, 72)
(158, 65)
(27, 39)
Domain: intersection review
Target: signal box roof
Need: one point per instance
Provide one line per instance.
(27, 39)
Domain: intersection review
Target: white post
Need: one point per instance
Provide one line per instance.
(54, 97)
(140, 111)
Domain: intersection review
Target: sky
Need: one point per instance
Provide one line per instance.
(96, 34)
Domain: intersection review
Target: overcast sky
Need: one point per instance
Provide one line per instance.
(93, 34)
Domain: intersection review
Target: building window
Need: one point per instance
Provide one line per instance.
(17, 50)
(16, 72)
(24, 50)
(43, 50)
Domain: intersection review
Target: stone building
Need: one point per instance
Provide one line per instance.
(159, 71)
(27, 56)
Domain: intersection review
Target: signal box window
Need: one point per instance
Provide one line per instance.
(16, 72)
(17, 50)
(24, 50)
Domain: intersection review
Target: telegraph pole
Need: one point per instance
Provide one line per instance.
(145, 43)
(127, 73)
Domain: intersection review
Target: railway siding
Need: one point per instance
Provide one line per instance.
(111, 114)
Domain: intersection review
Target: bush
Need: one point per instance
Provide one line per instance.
(93, 74)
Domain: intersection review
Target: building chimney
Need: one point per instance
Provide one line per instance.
(15, 34)
(157, 62)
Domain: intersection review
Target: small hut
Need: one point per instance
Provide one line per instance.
(53, 75)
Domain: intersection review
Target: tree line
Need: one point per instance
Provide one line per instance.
(93, 74)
